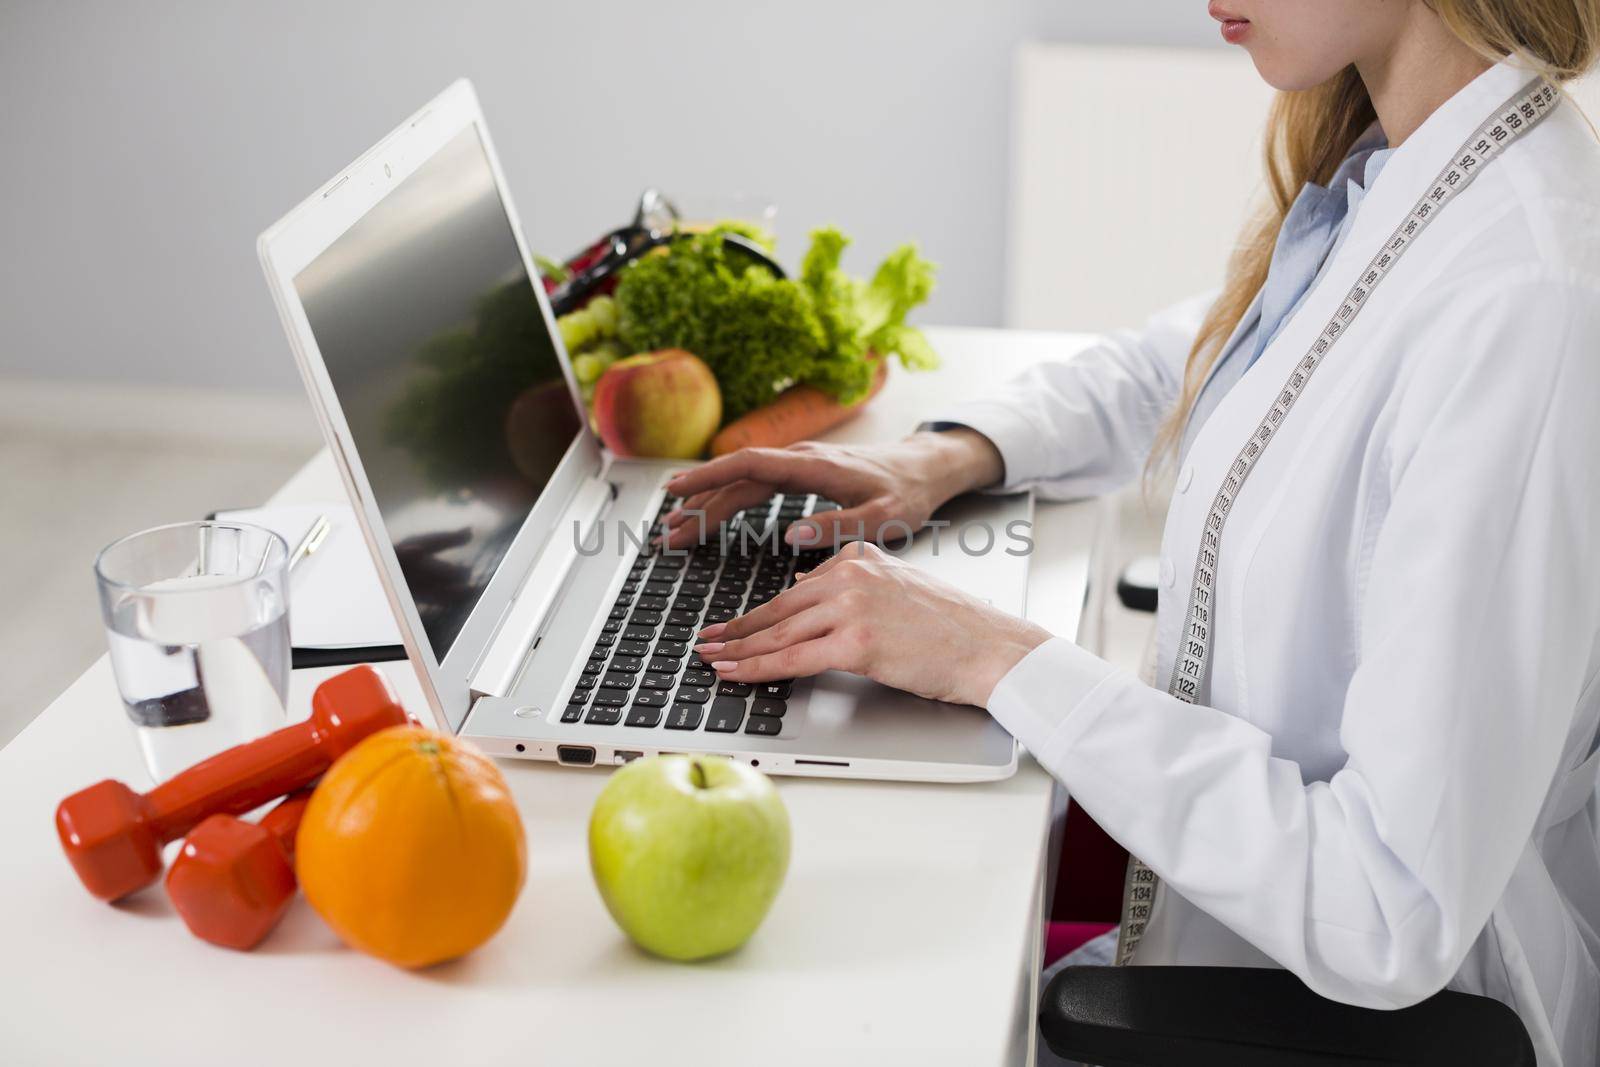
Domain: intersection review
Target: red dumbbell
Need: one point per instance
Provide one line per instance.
(233, 880)
(113, 836)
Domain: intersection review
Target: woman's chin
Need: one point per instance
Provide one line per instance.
(1290, 75)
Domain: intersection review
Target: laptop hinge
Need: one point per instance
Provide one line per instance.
(497, 670)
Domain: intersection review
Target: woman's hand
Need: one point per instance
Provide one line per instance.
(897, 486)
(868, 613)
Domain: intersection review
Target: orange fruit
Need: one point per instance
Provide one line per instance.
(411, 847)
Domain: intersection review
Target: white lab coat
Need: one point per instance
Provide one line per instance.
(1389, 787)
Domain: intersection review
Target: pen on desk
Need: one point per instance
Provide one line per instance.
(312, 540)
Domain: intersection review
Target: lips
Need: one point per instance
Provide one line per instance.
(1234, 27)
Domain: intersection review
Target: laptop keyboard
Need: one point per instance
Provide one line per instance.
(642, 671)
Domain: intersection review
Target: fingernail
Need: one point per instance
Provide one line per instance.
(710, 632)
(796, 532)
(722, 666)
(710, 647)
(672, 516)
(798, 575)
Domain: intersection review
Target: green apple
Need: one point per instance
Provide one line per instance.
(688, 852)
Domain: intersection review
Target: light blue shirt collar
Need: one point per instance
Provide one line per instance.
(1315, 227)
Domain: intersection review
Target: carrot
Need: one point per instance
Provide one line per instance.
(800, 412)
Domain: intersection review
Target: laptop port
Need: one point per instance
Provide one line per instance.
(624, 756)
(575, 755)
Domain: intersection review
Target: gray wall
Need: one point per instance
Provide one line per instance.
(147, 143)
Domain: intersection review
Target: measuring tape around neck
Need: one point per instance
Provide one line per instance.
(1510, 120)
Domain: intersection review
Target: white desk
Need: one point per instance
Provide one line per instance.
(908, 930)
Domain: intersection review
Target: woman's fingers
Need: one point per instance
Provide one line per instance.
(797, 661)
(702, 514)
(775, 466)
(857, 550)
(802, 626)
(785, 604)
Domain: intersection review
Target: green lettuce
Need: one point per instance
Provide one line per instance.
(760, 334)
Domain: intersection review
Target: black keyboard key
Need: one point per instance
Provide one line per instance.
(657, 681)
(585, 681)
(650, 698)
(725, 715)
(689, 603)
(609, 698)
(683, 618)
(627, 664)
(664, 665)
(612, 626)
(768, 706)
(632, 648)
(639, 633)
(595, 666)
(645, 618)
(658, 588)
(652, 603)
(672, 649)
(764, 725)
(667, 567)
(698, 677)
(677, 633)
(721, 615)
(620, 611)
(779, 690)
(643, 715)
(694, 589)
(629, 588)
(605, 641)
(693, 694)
(579, 696)
(603, 716)
(684, 717)
(574, 713)
(698, 664)
(733, 689)
(616, 680)
(725, 600)
(758, 599)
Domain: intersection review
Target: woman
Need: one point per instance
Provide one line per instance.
(1369, 755)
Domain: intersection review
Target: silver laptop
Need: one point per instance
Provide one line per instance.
(512, 545)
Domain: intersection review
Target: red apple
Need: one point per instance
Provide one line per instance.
(661, 405)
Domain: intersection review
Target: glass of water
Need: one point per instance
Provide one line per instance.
(197, 616)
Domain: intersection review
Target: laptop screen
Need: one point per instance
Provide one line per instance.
(446, 374)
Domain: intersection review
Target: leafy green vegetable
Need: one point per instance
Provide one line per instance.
(760, 334)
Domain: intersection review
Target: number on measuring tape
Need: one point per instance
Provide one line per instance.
(1509, 121)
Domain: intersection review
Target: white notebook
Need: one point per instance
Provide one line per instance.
(335, 597)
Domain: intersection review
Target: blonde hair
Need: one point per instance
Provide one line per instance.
(1310, 132)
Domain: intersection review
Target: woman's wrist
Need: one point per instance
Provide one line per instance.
(1006, 645)
(957, 461)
